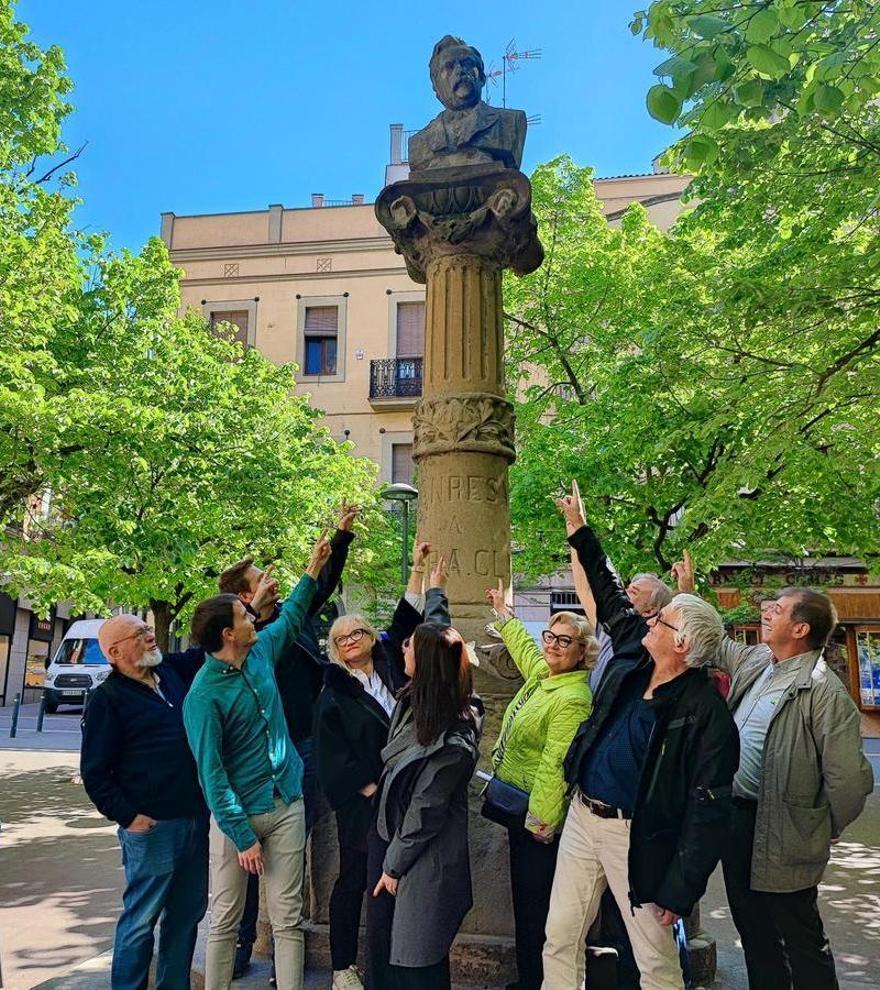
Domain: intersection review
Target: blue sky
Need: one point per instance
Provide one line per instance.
(198, 107)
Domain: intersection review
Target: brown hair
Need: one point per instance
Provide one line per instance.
(441, 686)
(816, 610)
(210, 618)
(234, 580)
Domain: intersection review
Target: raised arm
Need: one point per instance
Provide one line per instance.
(436, 602)
(331, 572)
(276, 638)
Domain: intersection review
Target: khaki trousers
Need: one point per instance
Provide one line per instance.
(592, 856)
(282, 834)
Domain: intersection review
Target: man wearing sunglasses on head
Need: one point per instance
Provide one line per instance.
(650, 773)
(137, 769)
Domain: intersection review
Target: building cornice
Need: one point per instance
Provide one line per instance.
(295, 276)
(285, 249)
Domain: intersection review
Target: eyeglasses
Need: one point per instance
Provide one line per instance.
(657, 617)
(142, 633)
(563, 642)
(355, 636)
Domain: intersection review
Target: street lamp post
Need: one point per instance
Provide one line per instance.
(403, 493)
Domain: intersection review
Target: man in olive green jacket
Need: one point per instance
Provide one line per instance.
(802, 779)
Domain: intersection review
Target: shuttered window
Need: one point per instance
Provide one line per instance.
(321, 328)
(238, 318)
(410, 329)
(401, 463)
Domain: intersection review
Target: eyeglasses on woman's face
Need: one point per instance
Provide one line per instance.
(562, 641)
(355, 636)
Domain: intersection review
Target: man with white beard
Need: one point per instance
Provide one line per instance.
(138, 770)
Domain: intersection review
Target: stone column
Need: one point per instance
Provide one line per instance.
(458, 229)
(464, 433)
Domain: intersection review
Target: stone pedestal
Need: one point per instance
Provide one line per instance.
(458, 229)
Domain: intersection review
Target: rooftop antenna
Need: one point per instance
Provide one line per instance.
(509, 63)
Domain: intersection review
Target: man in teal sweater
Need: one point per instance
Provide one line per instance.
(250, 772)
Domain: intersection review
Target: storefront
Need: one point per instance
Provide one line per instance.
(7, 628)
(40, 634)
(853, 651)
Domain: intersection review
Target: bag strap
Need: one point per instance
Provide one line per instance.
(501, 745)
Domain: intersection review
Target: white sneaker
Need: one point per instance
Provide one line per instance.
(346, 979)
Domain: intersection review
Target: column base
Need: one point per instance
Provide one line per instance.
(477, 960)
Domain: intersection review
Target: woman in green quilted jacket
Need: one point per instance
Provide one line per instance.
(537, 729)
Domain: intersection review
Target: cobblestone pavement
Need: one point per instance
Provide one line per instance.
(60, 877)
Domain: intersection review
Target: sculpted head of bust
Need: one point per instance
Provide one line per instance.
(457, 73)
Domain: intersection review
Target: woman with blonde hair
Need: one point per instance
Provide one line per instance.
(528, 794)
(352, 718)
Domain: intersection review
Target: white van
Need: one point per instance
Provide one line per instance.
(77, 667)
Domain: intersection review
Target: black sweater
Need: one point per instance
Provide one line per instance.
(134, 758)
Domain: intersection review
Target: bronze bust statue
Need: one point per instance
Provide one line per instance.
(468, 131)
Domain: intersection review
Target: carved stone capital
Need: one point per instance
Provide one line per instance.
(477, 422)
(482, 210)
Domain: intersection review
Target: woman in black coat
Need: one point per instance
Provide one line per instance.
(352, 718)
(418, 865)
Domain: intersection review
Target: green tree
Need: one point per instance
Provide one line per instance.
(624, 356)
(166, 450)
(201, 454)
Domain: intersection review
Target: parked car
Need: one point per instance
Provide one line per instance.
(77, 667)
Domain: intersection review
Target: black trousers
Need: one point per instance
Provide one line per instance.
(347, 897)
(532, 865)
(380, 974)
(782, 934)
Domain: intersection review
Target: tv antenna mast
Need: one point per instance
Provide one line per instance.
(510, 63)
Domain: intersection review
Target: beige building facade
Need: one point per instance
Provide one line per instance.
(322, 286)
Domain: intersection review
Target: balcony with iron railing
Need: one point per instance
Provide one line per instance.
(395, 381)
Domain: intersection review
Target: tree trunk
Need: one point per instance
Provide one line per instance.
(162, 621)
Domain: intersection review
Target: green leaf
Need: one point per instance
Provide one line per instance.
(717, 114)
(707, 25)
(675, 67)
(828, 99)
(700, 150)
(762, 26)
(636, 25)
(829, 66)
(750, 94)
(663, 104)
(767, 61)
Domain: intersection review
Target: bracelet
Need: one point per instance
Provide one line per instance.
(418, 570)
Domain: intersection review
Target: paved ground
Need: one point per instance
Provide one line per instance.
(60, 877)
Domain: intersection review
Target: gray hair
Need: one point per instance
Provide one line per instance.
(585, 631)
(700, 626)
(661, 593)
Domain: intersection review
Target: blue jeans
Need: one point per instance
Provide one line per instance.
(166, 880)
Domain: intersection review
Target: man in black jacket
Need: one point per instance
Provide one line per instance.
(137, 769)
(650, 773)
(300, 676)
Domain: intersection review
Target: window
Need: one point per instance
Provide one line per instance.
(410, 329)
(321, 329)
(401, 463)
(237, 317)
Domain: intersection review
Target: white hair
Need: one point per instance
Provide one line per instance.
(661, 594)
(700, 627)
(346, 624)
